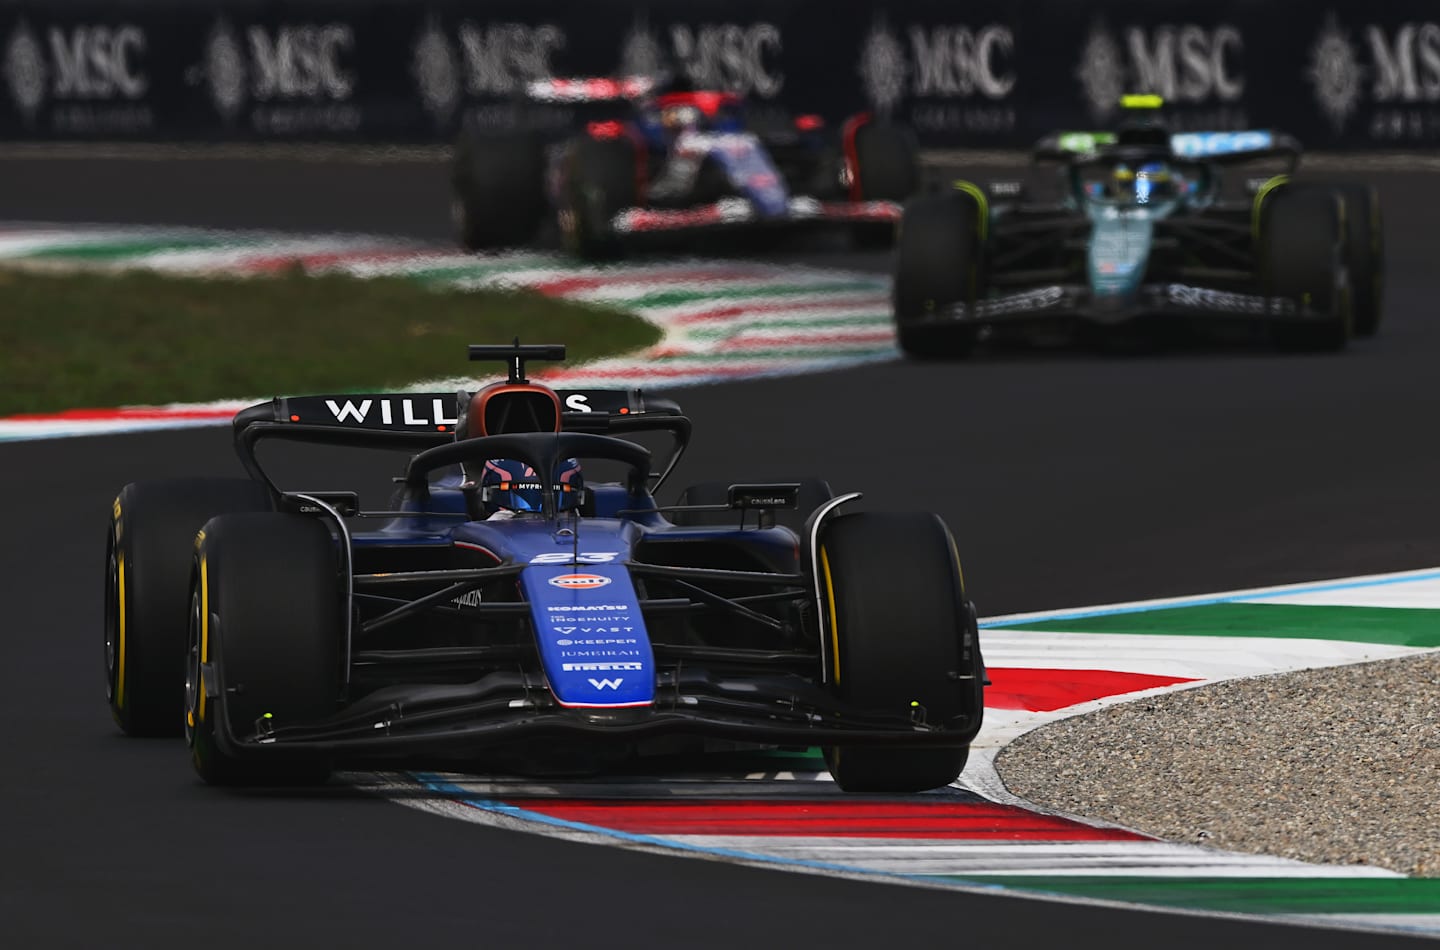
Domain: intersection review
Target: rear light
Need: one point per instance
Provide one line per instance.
(605, 130)
(809, 123)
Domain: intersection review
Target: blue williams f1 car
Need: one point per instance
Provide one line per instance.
(524, 603)
(624, 162)
(1149, 230)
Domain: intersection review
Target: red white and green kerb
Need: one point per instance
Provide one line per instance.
(783, 809)
(720, 320)
(732, 320)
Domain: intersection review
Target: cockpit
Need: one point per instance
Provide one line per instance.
(678, 112)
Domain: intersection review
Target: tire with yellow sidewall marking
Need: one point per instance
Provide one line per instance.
(147, 583)
(902, 641)
(1302, 235)
(265, 642)
(1365, 254)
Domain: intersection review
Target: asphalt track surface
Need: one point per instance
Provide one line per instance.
(1069, 478)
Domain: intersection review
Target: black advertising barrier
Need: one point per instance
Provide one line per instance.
(983, 73)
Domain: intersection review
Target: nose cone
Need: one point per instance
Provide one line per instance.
(1119, 251)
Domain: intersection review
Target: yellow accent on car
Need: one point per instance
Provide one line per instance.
(120, 625)
(834, 625)
(1141, 101)
(978, 193)
(1261, 194)
(204, 634)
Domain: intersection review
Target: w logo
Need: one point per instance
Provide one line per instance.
(607, 684)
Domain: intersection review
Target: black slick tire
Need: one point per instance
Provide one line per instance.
(265, 643)
(938, 264)
(901, 641)
(1302, 238)
(498, 189)
(148, 555)
(1365, 254)
(887, 164)
(599, 182)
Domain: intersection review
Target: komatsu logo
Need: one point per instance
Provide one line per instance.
(587, 608)
(410, 412)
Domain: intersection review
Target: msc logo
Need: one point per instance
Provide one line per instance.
(579, 581)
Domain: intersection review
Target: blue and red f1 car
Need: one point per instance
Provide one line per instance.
(622, 161)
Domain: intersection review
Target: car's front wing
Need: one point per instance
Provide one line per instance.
(1080, 304)
(736, 213)
(445, 721)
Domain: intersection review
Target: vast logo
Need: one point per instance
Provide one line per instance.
(579, 581)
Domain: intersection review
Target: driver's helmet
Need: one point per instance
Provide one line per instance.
(510, 485)
(506, 484)
(679, 117)
(1122, 182)
(1150, 182)
(1153, 181)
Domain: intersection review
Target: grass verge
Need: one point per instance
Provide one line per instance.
(81, 340)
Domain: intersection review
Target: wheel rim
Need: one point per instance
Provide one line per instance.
(193, 682)
(112, 619)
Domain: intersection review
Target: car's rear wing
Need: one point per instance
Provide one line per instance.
(569, 90)
(420, 421)
(1213, 147)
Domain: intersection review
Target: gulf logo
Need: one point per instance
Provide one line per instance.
(579, 581)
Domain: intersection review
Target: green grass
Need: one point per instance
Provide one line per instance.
(86, 340)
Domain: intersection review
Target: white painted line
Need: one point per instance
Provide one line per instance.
(1422, 593)
(1137, 606)
(1195, 656)
(1078, 858)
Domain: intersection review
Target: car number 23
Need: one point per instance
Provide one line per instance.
(584, 557)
